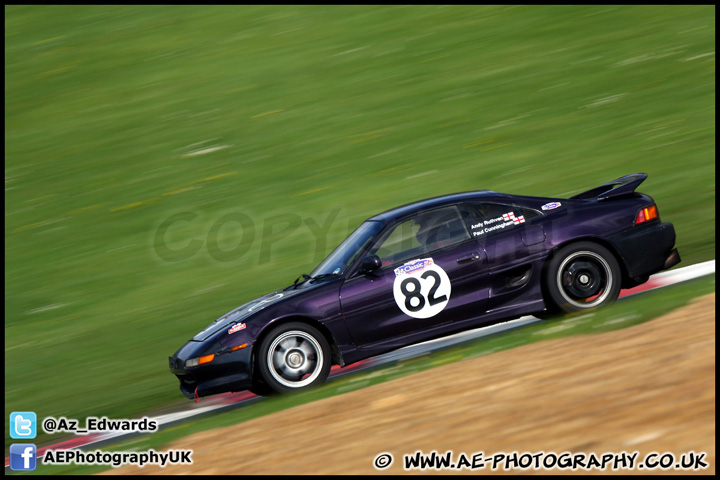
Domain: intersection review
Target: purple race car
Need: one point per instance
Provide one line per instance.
(430, 269)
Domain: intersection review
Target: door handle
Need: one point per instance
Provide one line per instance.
(469, 258)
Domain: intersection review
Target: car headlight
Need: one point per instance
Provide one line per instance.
(194, 362)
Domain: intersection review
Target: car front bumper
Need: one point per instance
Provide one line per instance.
(229, 372)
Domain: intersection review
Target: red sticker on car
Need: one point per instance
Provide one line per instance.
(237, 328)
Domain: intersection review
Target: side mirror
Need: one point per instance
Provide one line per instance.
(370, 264)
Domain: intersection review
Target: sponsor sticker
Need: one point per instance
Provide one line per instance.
(551, 205)
(413, 266)
(236, 328)
(421, 288)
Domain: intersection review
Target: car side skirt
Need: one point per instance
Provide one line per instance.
(488, 318)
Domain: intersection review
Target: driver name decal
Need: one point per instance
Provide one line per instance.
(506, 220)
(421, 288)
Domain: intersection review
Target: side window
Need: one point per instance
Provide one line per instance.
(421, 234)
(484, 219)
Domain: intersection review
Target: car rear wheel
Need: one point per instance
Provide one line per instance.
(293, 356)
(582, 276)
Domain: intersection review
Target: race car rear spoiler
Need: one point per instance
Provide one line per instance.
(617, 188)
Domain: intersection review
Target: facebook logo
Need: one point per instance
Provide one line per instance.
(23, 456)
(23, 425)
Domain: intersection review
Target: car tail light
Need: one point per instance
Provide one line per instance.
(646, 214)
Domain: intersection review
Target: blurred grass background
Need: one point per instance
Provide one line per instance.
(117, 117)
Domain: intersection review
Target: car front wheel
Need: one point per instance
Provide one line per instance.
(293, 356)
(582, 276)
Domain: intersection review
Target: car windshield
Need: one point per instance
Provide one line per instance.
(346, 253)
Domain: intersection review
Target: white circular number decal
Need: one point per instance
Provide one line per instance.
(421, 288)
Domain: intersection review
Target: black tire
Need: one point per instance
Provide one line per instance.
(545, 314)
(581, 276)
(260, 389)
(292, 357)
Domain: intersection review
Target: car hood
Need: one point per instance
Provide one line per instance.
(244, 311)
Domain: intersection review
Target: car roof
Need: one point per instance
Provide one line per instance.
(435, 202)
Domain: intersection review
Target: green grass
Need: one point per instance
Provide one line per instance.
(627, 312)
(111, 112)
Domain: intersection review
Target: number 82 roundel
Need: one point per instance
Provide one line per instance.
(421, 288)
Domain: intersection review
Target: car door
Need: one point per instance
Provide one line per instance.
(514, 241)
(433, 272)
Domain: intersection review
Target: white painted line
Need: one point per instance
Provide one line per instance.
(687, 273)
